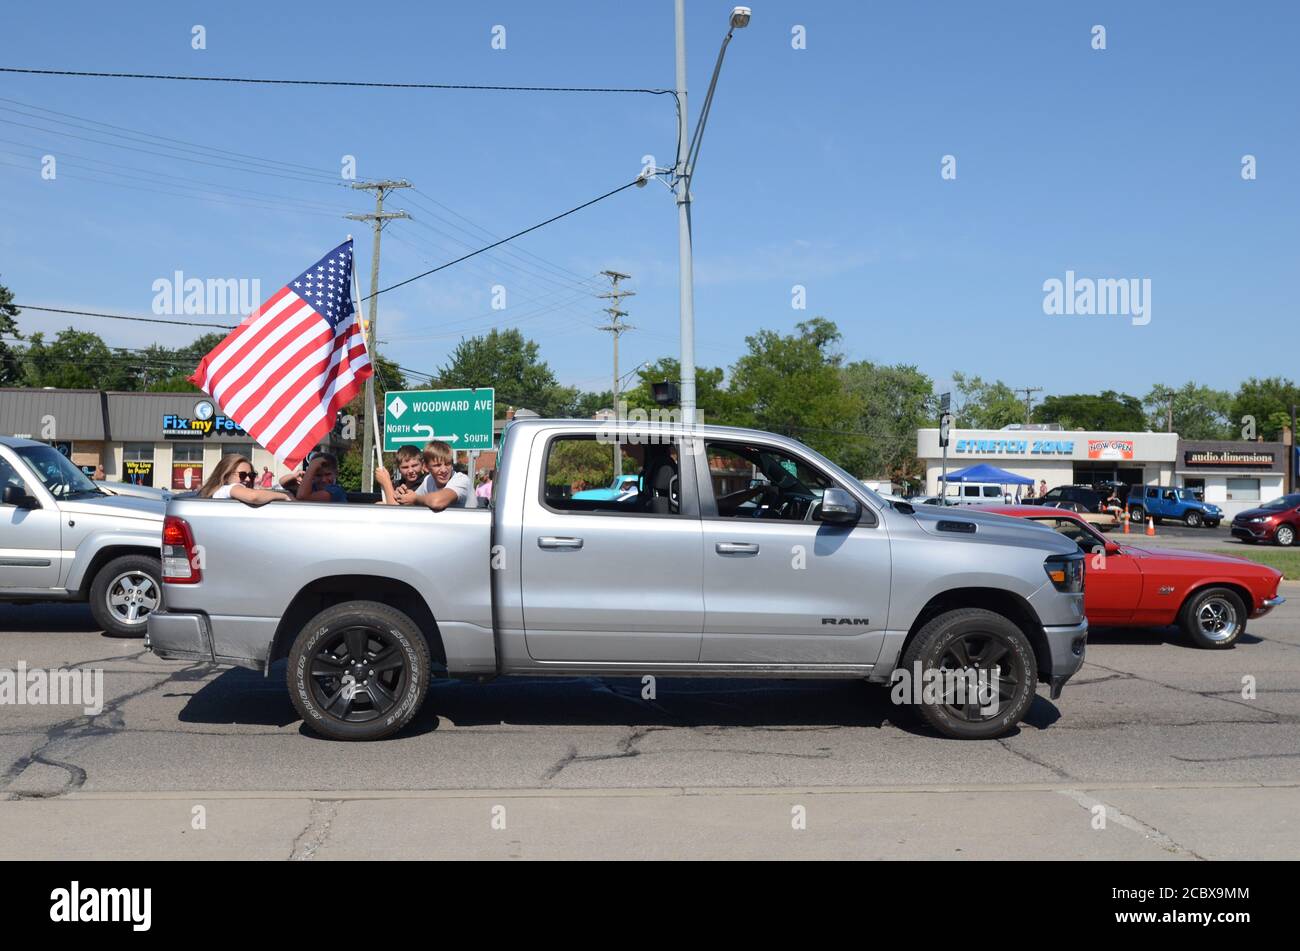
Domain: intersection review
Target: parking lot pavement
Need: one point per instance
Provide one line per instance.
(1155, 733)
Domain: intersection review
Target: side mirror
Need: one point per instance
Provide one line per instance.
(839, 508)
(15, 496)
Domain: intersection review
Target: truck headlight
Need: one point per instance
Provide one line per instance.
(1066, 572)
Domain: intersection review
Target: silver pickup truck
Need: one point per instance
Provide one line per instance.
(62, 538)
(744, 554)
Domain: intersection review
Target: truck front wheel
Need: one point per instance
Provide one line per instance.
(124, 593)
(358, 671)
(977, 671)
(1192, 518)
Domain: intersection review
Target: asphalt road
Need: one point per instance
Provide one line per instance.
(1153, 735)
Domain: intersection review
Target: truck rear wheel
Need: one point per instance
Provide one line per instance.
(358, 671)
(1137, 514)
(957, 653)
(124, 593)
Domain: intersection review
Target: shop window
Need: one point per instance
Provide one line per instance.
(187, 467)
(137, 463)
(1243, 490)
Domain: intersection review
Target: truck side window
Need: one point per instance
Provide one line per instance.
(580, 476)
(759, 482)
(8, 476)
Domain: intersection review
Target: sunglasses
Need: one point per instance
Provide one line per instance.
(246, 476)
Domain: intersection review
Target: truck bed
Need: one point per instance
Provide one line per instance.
(256, 561)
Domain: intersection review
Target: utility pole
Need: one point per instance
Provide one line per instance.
(615, 295)
(379, 218)
(1029, 392)
(1293, 460)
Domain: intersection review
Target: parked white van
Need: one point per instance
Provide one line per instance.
(978, 493)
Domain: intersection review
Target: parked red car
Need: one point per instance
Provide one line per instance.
(1276, 521)
(1209, 596)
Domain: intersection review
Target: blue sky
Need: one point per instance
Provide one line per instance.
(821, 167)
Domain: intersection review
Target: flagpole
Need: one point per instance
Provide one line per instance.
(374, 368)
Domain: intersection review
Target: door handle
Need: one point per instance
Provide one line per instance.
(558, 542)
(736, 548)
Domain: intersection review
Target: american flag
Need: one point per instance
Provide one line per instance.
(284, 372)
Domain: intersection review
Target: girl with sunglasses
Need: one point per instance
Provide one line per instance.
(234, 478)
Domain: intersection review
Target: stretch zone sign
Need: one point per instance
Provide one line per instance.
(460, 418)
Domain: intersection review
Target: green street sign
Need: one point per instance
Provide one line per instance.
(460, 418)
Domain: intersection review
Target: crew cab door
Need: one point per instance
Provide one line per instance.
(30, 554)
(780, 586)
(611, 580)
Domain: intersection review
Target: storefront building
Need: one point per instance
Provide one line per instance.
(165, 440)
(1233, 475)
(1055, 456)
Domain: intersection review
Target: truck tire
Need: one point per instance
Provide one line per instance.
(1137, 514)
(972, 639)
(124, 592)
(1192, 518)
(358, 671)
(1214, 618)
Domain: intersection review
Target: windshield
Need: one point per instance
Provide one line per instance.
(1285, 502)
(57, 473)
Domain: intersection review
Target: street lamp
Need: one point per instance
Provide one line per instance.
(688, 151)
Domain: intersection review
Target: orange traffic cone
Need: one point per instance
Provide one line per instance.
(1151, 525)
(1126, 520)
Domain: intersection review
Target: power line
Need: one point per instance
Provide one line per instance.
(143, 320)
(517, 234)
(136, 134)
(328, 82)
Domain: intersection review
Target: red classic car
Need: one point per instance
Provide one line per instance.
(1208, 596)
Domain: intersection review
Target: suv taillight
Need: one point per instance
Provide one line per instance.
(180, 561)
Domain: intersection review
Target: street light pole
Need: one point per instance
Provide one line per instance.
(688, 150)
(686, 280)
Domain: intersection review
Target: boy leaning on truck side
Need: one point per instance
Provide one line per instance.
(441, 488)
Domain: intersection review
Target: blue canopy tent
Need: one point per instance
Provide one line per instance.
(983, 472)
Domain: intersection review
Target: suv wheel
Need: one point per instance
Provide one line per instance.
(1137, 514)
(1214, 618)
(124, 593)
(1192, 518)
(358, 671)
(957, 651)
(1285, 536)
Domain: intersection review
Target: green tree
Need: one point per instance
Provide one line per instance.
(793, 384)
(1200, 412)
(895, 401)
(75, 359)
(504, 359)
(980, 405)
(11, 371)
(1108, 410)
(1268, 401)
